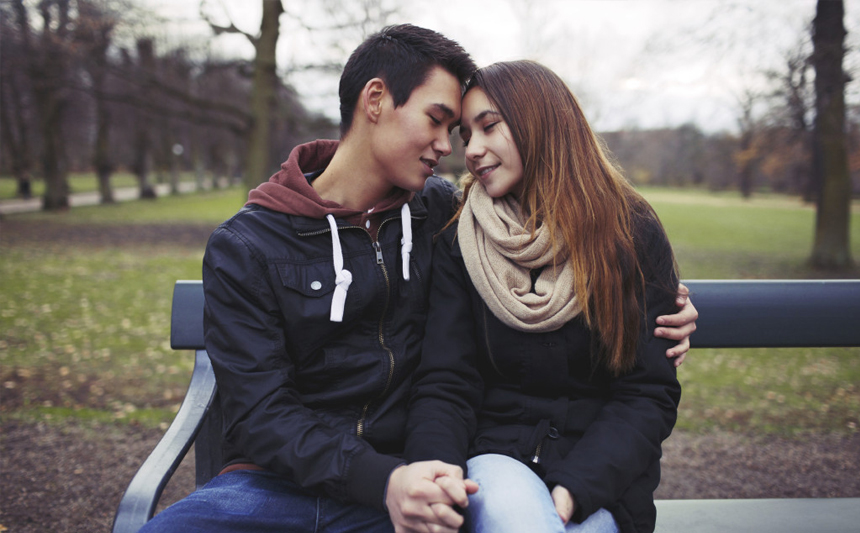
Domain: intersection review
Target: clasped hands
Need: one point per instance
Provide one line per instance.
(421, 497)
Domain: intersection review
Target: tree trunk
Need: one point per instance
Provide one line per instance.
(101, 158)
(47, 63)
(56, 185)
(745, 174)
(15, 132)
(102, 150)
(101, 153)
(831, 248)
(263, 94)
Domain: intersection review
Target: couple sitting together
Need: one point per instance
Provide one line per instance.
(394, 355)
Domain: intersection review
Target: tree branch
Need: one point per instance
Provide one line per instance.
(219, 29)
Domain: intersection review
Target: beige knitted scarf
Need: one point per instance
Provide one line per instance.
(499, 255)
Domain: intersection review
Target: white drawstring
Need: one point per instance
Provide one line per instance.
(342, 279)
(406, 241)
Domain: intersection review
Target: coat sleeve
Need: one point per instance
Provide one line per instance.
(625, 439)
(447, 386)
(264, 418)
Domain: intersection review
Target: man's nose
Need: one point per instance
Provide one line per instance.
(443, 145)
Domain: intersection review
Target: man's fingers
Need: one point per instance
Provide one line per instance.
(679, 352)
(446, 516)
(433, 517)
(455, 489)
(683, 317)
(676, 333)
(440, 468)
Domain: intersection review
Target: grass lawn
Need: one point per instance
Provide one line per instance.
(84, 329)
(79, 182)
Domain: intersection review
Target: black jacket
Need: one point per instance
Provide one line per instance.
(539, 397)
(322, 403)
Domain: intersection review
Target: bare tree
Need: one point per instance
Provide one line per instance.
(830, 161)
(264, 87)
(95, 28)
(363, 16)
(792, 106)
(48, 62)
(748, 153)
(15, 107)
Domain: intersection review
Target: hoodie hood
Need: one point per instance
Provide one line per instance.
(289, 190)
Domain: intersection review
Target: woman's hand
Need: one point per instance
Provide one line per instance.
(564, 503)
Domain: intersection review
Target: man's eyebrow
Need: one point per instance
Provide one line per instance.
(445, 109)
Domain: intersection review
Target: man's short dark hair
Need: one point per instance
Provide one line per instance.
(402, 56)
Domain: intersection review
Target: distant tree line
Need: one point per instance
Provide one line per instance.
(83, 87)
(770, 156)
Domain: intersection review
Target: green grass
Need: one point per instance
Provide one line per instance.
(211, 207)
(78, 182)
(84, 330)
(722, 236)
(87, 329)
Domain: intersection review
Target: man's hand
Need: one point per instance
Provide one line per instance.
(564, 503)
(421, 496)
(679, 326)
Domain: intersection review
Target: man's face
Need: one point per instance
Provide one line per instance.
(411, 139)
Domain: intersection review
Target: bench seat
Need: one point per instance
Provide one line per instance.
(732, 313)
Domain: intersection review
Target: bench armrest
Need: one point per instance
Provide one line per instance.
(140, 499)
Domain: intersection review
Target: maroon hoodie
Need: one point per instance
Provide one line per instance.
(289, 191)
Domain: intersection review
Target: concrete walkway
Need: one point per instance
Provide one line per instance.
(10, 207)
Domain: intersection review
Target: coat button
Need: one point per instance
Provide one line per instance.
(316, 285)
(552, 433)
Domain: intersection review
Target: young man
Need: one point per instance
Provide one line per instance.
(315, 308)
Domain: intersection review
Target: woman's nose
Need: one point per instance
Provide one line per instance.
(474, 149)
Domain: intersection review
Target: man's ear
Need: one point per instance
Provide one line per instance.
(371, 99)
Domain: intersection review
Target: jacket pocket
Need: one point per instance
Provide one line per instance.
(313, 280)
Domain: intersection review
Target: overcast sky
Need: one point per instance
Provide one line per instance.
(632, 63)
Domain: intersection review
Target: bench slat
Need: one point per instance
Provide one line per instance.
(776, 313)
(789, 515)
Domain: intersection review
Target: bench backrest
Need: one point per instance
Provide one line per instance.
(732, 313)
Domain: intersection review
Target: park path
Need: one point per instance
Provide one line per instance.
(10, 207)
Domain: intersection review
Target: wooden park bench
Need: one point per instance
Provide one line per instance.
(732, 313)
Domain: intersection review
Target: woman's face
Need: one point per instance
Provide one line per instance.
(491, 155)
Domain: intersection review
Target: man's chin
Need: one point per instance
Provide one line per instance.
(415, 185)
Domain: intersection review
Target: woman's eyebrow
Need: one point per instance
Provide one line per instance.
(486, 112)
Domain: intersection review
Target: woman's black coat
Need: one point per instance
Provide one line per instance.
(483, 387)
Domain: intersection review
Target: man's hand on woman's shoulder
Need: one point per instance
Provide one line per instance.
(679, 326)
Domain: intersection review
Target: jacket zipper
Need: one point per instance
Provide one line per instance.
(551, 433)
(536, 458)
(359, 427)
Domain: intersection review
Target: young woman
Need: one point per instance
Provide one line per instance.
(539, 363)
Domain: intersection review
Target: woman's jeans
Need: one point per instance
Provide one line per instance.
(261, 502)
(513, 499)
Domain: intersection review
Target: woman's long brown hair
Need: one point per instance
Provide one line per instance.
(573, 190)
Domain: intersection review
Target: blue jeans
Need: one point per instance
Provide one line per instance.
(513, 499)
(261, 502)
